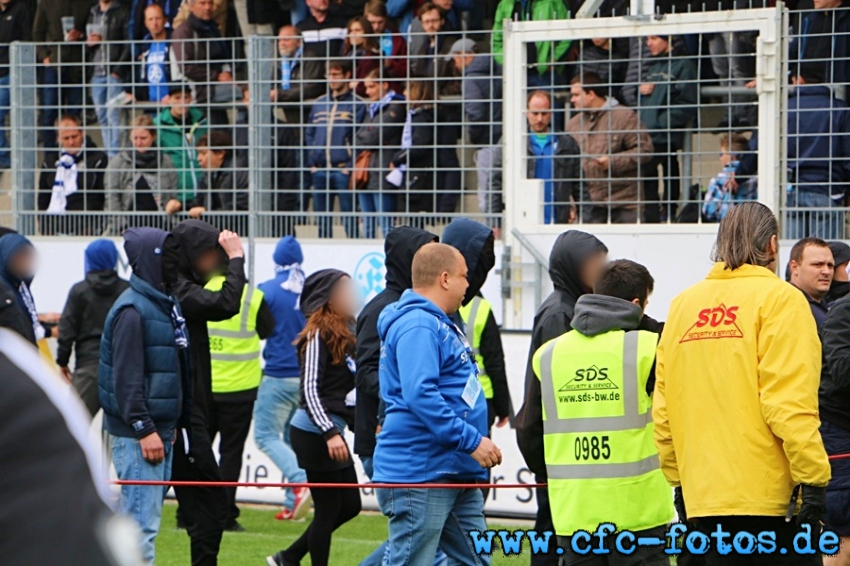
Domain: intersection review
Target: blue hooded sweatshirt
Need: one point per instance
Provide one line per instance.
(280, 354)
(14, 313)
(101, 255)
(429, 431)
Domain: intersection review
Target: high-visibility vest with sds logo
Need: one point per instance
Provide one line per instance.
(601, 459)
(235, 345)
(475, 315)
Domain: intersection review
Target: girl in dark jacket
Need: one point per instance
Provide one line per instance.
(418, 153)
(361, 45)
(326, 350)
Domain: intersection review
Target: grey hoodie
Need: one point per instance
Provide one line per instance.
(598, 314)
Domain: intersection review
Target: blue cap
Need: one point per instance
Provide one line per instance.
(288, 251)
(101, 255)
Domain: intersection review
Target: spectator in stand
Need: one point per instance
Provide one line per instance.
(613, 145)
(482, 104)
(71, 180)
(137, 23)
(141, 179)
(277, 397)
(58, 26)
(179, 127)
(83, 317)
(639, 58)
(205, 60)
(323, 30)
(300, 77)
(157, 57)
(219, 14)
(380, 135)
(223, 186)
(608, 58)
(667, 106)
(824, 40)
(429, 48)
(328, 138)
(544, 57)
(17, 307)
(722, 192)
(257, 17)
(553, 158)
(392, 44)
(15, 25)
(109, 54)
(416, 161)
(362, 47)
(733, 61)
(404, 11)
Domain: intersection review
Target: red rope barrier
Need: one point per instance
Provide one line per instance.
(839, 456)
(344, 485)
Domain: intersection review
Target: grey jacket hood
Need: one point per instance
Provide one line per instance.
(598, 314)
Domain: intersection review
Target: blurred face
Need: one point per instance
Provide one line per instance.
(210, 159)
(657, 45)
(342, 300)
(142, 139)
(202, 9)
(208, 263)
(462, 60)
(457, 284)
(601, 42)
(154, 20)
(337, 80)
(180, 104)
(539, 114)
(70, 137)
(22, 263)
(378, 23)
(432, 22)
(813, 275)
(355, 33)
(591, 269)
(374, 89)
(287, 42)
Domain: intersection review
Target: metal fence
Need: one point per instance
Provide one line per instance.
(347, 136)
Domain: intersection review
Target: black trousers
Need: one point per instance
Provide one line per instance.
(668, 159)
(203, 508)
(785, 533)
(231, 420)
(542, 523)
(641, 557)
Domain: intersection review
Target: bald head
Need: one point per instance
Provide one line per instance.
(439, 274)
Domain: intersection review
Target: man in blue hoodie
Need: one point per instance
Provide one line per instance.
(436, 417)
(277, 398)
(144, 377)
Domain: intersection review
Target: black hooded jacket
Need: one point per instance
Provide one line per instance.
(81, 325)
(571, 250)
(401, 245)
(201, 306)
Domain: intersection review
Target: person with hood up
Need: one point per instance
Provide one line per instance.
(841, 278)
(576, 260)
(204, 252)
(277, 397)
(436, 418)
(81, 324)
(399, 248)
(144, 378)
(17, 307)
(325, 349)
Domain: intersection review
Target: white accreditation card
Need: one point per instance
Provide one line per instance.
(471, 391)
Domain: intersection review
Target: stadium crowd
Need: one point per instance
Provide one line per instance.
(374, 104)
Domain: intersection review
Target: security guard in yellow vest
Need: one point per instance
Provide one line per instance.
(236, 375)
(483, 335)
(596, 383)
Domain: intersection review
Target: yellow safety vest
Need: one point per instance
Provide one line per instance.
(475, 316)
(601, 459)
(235, 345)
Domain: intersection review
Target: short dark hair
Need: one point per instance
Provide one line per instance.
(591, 82)
(427, 7)
(799, 247)
(217, 140)
(343, 65)
(625, 279)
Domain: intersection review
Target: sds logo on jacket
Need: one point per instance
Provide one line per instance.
(714, 323)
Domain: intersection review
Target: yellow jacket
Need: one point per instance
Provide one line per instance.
(736, 397)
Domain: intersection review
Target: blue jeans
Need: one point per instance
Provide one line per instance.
(141, 502)
(5, 101)
(58, 90)
(103, 90)
(423, 520)
(377, 202)
(277, 401)
(821, 222)
(326, 186)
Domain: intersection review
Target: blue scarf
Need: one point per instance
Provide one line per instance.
(376, 107)
(181, 334)
(387, 44)
(287, 65)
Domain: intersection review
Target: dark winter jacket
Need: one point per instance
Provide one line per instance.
(84, 315)
(91, 164)
(143, 375)
(202, 53)
(225, 189)
(113, 56)
(201, 306)
(673, 103)
(47, 31)
(482, 100)
(610, 65)
(307, 82)
(329, 136)
(823, 40)
(834, 392)
(421, 158)
(324, 39)
(325, 386)
(15, 25)
(381, 134)
(401, 245)
(14, 314)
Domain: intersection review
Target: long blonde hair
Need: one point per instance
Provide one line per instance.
(744, 236)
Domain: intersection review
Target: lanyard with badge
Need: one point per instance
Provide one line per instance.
(473, 388)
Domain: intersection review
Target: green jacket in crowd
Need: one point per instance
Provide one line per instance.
(542, 53)
(673, 102)
(178, 141)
